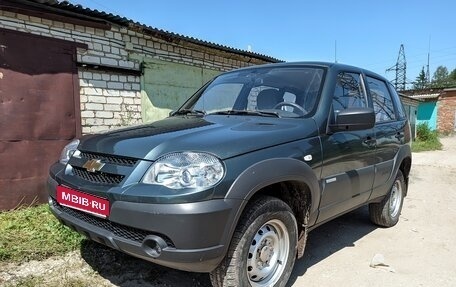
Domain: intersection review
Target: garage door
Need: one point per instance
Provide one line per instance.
(39, 112)
(427, 114)
(167, 85)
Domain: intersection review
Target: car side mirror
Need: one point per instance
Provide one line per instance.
(353, 119)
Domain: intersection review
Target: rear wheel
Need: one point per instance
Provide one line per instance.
(386, 213)
(263, 248)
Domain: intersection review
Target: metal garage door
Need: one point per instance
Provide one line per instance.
(167, 85)
(427, 114)
(39, 112)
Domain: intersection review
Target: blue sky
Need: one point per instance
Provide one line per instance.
(368, 33)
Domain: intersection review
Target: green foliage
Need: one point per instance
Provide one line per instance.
(440, 76)
(34, 233)
(443, 79)
(29, 281)
(38, 281)
(424, 132)
(426, 139)
(452, 76)
(420, 81)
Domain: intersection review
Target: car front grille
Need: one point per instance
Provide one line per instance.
(117, 160)
(118, 230)
(102, 176)
(98, 177)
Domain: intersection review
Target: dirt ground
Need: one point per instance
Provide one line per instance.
(419, 251)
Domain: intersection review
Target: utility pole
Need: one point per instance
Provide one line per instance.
(428, 76)
(401, 69)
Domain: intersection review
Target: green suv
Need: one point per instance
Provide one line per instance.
(232, 182)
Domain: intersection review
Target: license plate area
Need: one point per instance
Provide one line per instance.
(82, 201)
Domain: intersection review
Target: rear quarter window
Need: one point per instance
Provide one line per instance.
(397, 101)
(382, 100)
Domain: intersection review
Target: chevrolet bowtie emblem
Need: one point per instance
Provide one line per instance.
(93, 165)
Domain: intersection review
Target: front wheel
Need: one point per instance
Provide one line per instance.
(386, 213)
(263, 248)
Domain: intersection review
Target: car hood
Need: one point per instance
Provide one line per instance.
(222, 135)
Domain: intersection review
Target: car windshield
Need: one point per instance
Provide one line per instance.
(265, 91)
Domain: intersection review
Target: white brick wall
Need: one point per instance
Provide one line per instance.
(108, 99)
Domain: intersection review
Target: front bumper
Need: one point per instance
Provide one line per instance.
(192, 236)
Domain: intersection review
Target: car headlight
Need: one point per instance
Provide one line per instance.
(68, 151)
(185, 170)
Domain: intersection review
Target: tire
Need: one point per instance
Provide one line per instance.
(386, 213)
(265, 235)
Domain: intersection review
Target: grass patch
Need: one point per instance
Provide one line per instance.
(34, 233)
(29, 281)
(418, 145)
(34, 281)
(426, 140)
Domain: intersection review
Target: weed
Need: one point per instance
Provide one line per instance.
(34, 233)
(426, 139)
(48, 281)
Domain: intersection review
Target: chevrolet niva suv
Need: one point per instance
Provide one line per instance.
(232, 182)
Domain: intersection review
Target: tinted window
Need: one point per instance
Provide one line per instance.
(381, 97)
(397, 101)
(349, 92)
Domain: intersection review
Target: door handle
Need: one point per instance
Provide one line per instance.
(399, 135)
(370, 141)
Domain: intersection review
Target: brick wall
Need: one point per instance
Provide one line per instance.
(109, 98)
(446, 112)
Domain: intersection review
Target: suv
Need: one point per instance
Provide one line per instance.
(232, 182)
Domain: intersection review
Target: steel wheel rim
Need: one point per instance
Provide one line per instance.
(268, 254)
(395, 199)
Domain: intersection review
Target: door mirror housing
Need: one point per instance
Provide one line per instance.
(353, 119)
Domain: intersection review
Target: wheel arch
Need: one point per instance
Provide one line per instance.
(290, 180)
(284, 172)
(404, 164)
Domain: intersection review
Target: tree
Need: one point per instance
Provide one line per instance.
(440, 77)
(452, 77)
(420, 81)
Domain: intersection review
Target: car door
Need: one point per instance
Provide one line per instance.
(348, 156)
(390, 124)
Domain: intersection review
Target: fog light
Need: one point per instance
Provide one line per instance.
(153, 245)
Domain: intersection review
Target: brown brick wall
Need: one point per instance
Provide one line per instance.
(446, 112)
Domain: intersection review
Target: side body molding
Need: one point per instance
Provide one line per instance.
(272, 171)
(381, 191)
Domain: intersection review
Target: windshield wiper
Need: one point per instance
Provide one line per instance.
(247, 113)
(189, 112)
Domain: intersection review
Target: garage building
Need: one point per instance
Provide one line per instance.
(66, 70)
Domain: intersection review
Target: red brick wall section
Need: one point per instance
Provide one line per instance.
(446, 112)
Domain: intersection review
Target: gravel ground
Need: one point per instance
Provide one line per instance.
(419, 251)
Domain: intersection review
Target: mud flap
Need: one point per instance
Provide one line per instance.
(302, 239)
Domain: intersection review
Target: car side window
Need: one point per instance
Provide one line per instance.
(349, 92)
(397, 100)
(381, 98)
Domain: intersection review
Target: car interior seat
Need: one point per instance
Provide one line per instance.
(268, 99)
